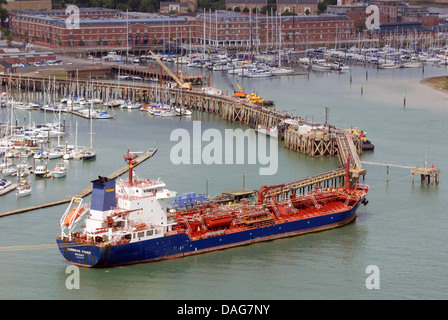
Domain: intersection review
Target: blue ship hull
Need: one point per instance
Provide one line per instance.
(179, 245)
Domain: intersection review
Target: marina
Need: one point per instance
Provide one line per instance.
(362, 244)
(83, 193)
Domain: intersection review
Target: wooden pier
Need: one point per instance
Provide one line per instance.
(229, 108)
(317, 142)
(83, 193)
(8, 189)
(427, 175)
(323, 142)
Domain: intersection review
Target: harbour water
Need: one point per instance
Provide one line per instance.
(402, 231)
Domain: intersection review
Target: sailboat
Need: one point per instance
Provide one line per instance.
(74, 152)
(23, 186)
(90, 152)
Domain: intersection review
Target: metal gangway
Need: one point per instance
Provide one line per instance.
(347, 150)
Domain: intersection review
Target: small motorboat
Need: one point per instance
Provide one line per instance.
(59, 171)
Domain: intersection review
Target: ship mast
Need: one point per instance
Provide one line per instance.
(131, 162)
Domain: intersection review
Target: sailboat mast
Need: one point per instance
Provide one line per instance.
(203, 40)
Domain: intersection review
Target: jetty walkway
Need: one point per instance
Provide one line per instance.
(83, 193)
(300, 135)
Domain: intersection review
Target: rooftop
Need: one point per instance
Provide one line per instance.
(118, 21)
(223, 15)
(400, 27)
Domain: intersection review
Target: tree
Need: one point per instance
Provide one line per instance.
(322, 5)
(9, 39)
(3, 12)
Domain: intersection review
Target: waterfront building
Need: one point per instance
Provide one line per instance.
(28, 5)
(355, 11)
(400, 32)
(297, 7)
(26, 57)
(420, 14)
(229, 29)
(246, 4)
(5, 67)
(183, 6)
(390, 10)
(222, 29)
(115, 29)
(51, 31)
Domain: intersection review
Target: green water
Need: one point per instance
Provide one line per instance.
(402, 230)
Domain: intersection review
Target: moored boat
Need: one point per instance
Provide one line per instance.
(23, 187)
(389, 65)
(320, 65)
(59, 171)
(89, 154)
(41, 171)
(4, 184)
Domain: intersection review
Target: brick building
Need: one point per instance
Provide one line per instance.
(217, 29)
(355, 11)
(226, 28)
(390, 10)
(249, 4)
(298, 7)
(222, 28)
(396, 32)
(183, 6)
(419, 14)
(51, 31)
(27, 57)
(28, 5)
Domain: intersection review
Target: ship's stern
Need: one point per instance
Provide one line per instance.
(82, 254)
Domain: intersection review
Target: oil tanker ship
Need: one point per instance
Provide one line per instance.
(139, 220)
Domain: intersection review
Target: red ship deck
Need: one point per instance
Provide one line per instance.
(213, 219)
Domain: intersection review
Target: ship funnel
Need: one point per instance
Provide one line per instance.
(103, 194)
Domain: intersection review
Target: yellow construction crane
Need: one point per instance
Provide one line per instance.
(183, 85)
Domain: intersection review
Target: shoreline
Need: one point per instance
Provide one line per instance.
(439, 83)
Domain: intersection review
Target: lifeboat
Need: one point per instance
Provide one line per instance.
(68, 218)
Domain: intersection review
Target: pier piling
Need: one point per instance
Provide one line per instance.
(427, 175)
